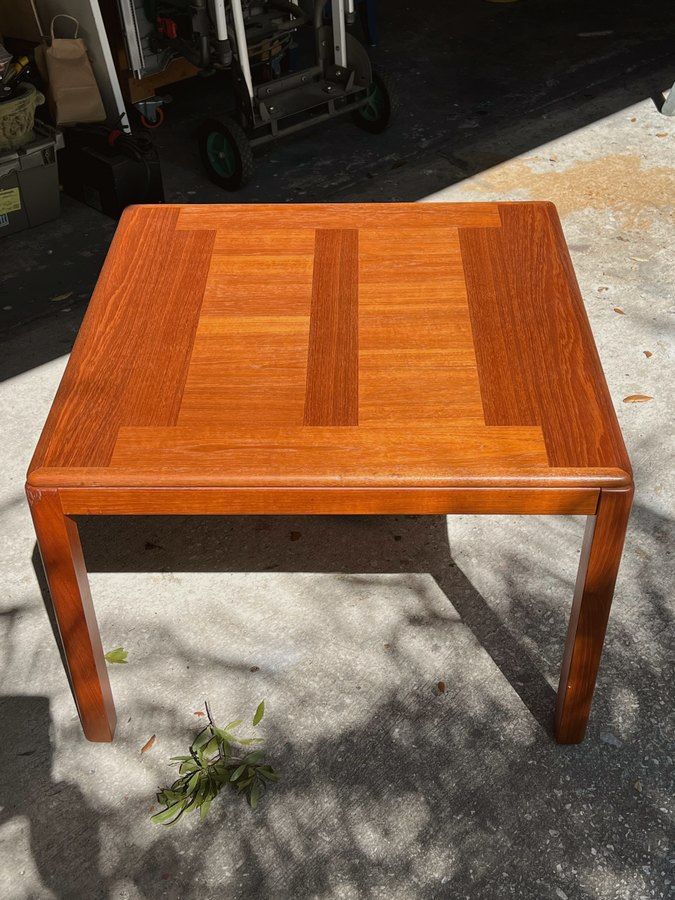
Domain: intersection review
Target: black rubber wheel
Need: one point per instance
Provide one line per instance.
(226, 153)
(376, 114)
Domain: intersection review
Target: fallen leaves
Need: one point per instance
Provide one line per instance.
(198, 712)
(254, 669)
(215, 759)
(149, 744)
(60, 297)
(637, 398)
(441, 687)
(602, 289)
(647, 353)
(118, 655)
(662, 134)
(259, 713)
(617, 309)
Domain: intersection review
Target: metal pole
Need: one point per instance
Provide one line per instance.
(339, 42)
(221, 21)
(242, 46)
(132, 38)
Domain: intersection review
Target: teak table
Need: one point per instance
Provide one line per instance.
(380, 358)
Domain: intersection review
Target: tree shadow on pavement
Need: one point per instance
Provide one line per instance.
(421, 795)
(57, 812)
(321, 544)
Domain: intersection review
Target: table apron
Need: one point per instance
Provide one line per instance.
(328, 501)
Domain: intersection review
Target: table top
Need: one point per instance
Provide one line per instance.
(387, 345)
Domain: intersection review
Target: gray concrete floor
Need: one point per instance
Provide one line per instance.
(389, 788)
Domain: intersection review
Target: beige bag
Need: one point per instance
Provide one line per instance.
(74, 96)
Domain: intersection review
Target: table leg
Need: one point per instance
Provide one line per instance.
(66, 573)
(598, 568)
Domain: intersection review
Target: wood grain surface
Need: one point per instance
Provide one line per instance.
(66, 574)
(385, 345)
(326, 501)
(332, 394)
(598, 570)
(536, 356)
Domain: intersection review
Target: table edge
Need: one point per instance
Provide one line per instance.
(176, 479)
(322, 501)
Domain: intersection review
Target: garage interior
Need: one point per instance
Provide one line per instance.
(389, 788)
(476, 85)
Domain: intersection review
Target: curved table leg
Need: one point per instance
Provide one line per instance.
(598, 568)
(62, 558)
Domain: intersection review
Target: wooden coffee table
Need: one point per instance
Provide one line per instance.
(380, 358)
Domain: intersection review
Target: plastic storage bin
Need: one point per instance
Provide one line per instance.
(29, 183)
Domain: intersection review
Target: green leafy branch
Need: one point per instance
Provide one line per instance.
(215, 760)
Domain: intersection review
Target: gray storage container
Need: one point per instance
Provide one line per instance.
(29, 183)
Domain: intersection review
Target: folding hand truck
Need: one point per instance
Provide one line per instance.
(253, 37)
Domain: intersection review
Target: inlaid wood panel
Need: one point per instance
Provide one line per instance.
(355, 454)
(332, 395)
(130, 359)
(380, 345)
(537, 358)
(228, 217)
(247, 369)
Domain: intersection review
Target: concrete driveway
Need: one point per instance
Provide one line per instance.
(345, 626)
